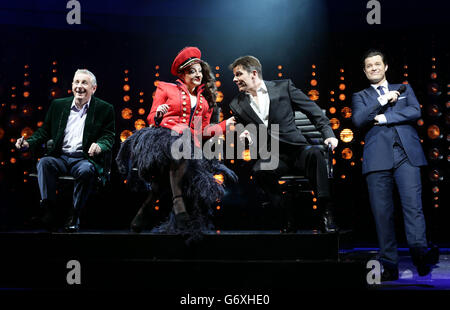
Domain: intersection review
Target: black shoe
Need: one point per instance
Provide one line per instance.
(328, 224)
(49, 220)
(432, 256)
(289, 228)
(422, 258)
(389, 274)
(73, 222)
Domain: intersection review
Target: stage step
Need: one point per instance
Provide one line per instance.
(221, 260)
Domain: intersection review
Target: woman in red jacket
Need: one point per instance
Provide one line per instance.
(179, 111)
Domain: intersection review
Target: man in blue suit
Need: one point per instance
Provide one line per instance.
(392, 154)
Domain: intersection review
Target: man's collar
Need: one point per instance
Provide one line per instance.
(86, 106)
(385, 85)
(262, 87)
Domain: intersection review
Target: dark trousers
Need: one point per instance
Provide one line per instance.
(381, 185)
(292, 159)
(49, 168)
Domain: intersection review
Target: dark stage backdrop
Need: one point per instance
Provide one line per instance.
(130, 45)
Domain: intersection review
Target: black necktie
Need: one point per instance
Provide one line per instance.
(380, 88)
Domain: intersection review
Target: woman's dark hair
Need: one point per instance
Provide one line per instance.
(210, 92)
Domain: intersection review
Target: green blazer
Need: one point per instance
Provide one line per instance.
(99, 127)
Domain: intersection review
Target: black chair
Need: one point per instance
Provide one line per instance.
(106, 174)
(297, 183)
(102, 180)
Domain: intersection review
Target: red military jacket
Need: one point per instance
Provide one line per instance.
(178, 117)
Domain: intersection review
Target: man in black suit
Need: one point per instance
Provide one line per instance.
(269, 103)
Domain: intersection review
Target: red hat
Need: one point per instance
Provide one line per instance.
(186, 57)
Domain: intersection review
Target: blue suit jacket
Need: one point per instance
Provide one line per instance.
(379, 140)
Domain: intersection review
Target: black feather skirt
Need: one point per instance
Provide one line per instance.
(149, 150)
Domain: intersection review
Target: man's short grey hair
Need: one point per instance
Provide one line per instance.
(91, 75)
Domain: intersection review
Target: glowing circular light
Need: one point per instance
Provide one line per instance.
(335, 123)
(433, 110)
(139, 124)
(156, 67)
(346, 135)
(433, 75)
(156, 83)
(280, 67)
(157, 74)
(313, 74)
(341, 70)
(13, 160)
(127, 113)
(313, 82)
(217, 68)
(55, 79)
(26, 94)
(126, 98)
(347, 153)
(435, 189)
(342, 97)
(39, 124)
(126, 71)
(26, 83)
(435, 175)
(125, 134)
(218, 83)
(246, 155)
(420, 122)
(434, 132)
(313, 66)
(141, 93)
(219, 178)
(313, 94)
(342, 86)
(27, 132)
(332, 110)
(435, 154)
(280, 74)
(219, 96)
(217, 75)
(126, 87)
(141, 111)
(346, 112)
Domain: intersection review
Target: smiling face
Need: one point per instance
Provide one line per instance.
(245, 81)
(193, 76)
(375, 69)
(82, 87)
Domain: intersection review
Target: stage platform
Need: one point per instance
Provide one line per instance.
(221, 260)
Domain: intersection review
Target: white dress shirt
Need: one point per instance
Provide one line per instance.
(382, 99)
(193, 101)
(73, 134)
(262, 107)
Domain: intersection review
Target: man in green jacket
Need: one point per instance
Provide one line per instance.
(82, 128)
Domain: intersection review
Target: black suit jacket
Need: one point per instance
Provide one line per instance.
(285, 99)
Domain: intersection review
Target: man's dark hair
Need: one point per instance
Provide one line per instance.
(371, 53)
(248, 63)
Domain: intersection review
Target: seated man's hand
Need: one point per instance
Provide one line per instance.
(332, 141)
(22, 144)
(246, 135)
(94, 149)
